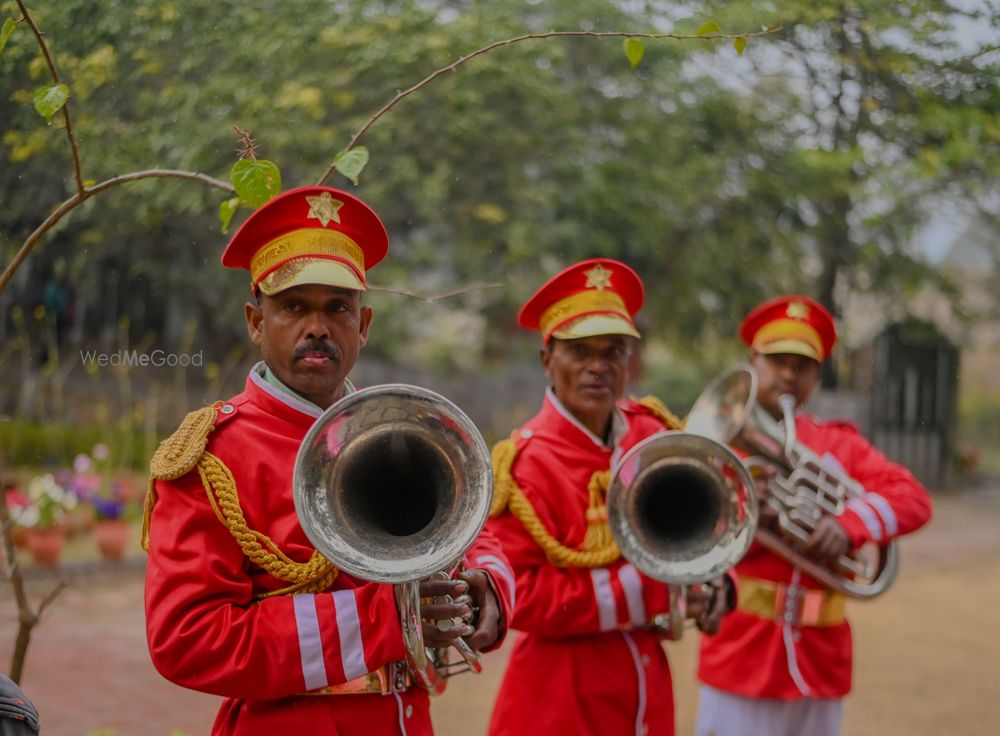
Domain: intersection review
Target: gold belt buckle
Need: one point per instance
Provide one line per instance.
(790, 604)
(390, 678)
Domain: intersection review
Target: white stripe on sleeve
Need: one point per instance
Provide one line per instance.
(310, 642)
(883, 509)
(496, 565)
(632, 585)
(868, 516)
(607, 611)
(352, 650)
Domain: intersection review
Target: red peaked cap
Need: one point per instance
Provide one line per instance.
(308, 235)
(598, 296)
(792, 324)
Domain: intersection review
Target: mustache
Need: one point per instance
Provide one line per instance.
(328, 349)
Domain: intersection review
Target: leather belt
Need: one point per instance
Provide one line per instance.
(790, 604)
(390, 678)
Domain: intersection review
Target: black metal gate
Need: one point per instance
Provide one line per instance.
(914, 399)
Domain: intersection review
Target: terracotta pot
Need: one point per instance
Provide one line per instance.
(79, 520)
(46, 545)
(111, 536)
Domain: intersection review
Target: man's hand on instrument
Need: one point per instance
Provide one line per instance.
(708, 602)
(485, 610)
(444, 622)
(828, 541)
(473, 613)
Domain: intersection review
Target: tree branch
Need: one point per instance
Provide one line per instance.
(529, 37)
(435, 297)
(77, 199)
(26, 619)
(77, 166)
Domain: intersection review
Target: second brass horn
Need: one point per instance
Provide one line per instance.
(393, 484)
(804, 487)
(682, 507)
(683, 510)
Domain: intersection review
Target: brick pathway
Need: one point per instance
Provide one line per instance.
(923, 666)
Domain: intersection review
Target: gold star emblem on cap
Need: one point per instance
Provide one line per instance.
(598, 278)
(324, 208)
(797, 310)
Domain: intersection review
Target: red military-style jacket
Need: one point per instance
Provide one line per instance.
(204, 628)
(782, 656)
(586, 661)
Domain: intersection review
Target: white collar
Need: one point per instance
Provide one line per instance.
(619, 425)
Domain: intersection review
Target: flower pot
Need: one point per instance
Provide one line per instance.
(111, 536)
(46, 545)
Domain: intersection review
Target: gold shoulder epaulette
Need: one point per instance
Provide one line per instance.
(179, 453)
(658, 409)
(176, 456)
(184, 451)
(599, 547)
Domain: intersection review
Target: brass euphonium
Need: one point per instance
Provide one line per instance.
(392, 484)
(803, 488)
(683, 510)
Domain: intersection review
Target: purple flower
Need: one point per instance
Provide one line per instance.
(107, 508)
(82, 463)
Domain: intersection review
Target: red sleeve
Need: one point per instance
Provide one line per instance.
(894, 502)
(206, 633)
(487, 555)
(570, 601)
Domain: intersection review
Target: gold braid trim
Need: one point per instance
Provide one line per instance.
(599, 547)
(176, 456)
(181, 453)
(658, 409)
(313, 576)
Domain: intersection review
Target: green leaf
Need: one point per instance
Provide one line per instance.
(709, 26)
(8, 28)
(740, 43)
(226, 211)
(49, 100)
(634, 49)
(89, 182)
(352, 162)
(255, 181)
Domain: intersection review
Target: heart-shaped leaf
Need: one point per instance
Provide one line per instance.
(709, 26)
(50, 100)
(255, 181)
(8, 28)
(226, 211)
(352, 162)
(634, 49)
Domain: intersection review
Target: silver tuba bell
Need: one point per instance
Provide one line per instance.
(683, 510)
(803, 489)
(392, 484)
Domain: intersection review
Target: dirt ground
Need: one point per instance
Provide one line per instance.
(926, 653)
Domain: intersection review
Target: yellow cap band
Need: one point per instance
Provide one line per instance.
(781, 335)
(579, 304)
(314, 242)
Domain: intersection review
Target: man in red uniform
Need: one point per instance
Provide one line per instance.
(781, 663)
(237, 601)
(588, 660)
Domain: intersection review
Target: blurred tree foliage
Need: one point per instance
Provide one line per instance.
(803, 164)
(886, 107)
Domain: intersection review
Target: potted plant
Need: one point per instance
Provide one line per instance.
(17, 502)
(45, 518)
(107, 499)
(110, 527)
